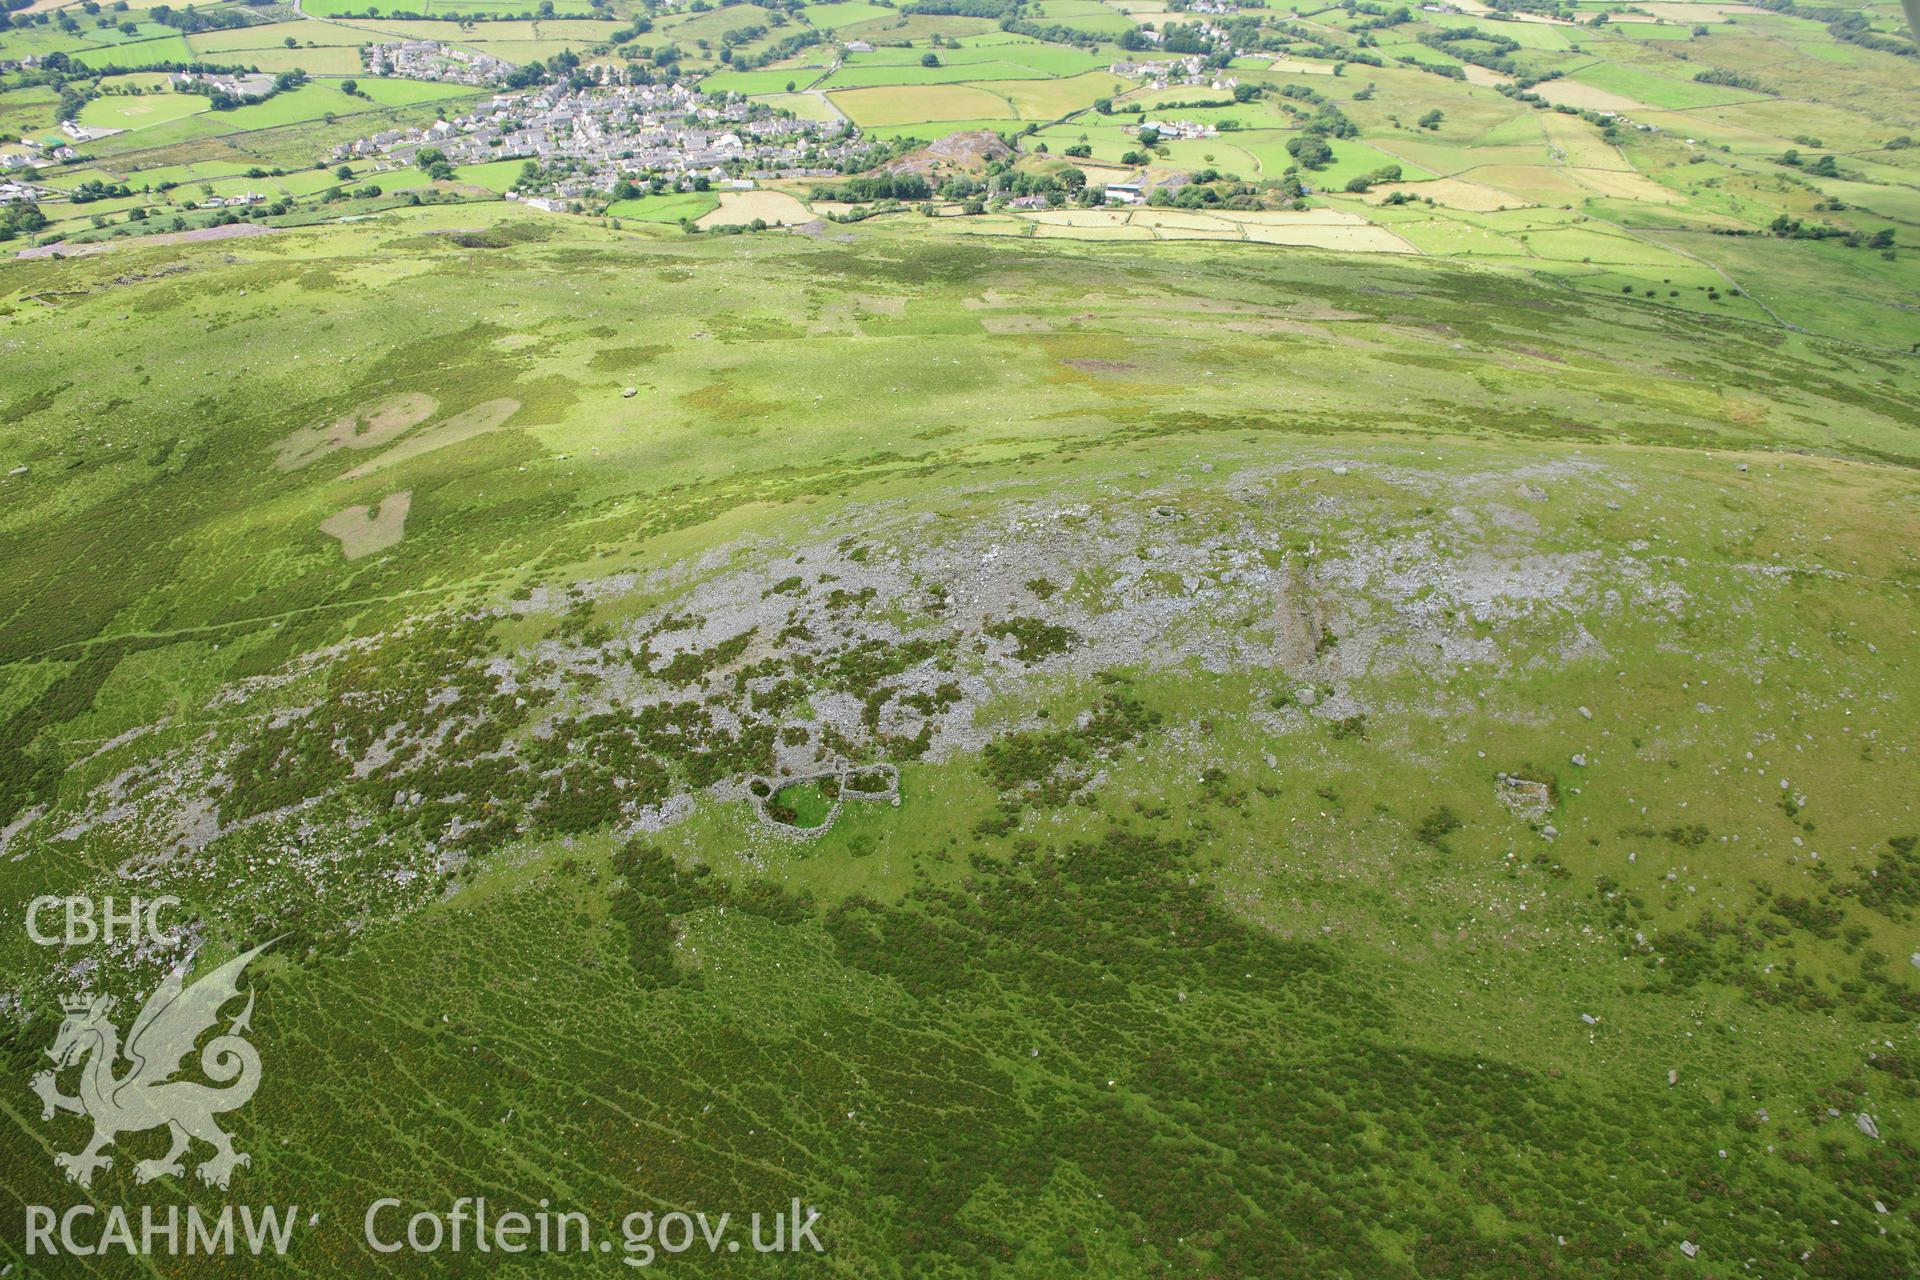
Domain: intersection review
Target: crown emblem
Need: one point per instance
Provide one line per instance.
(76, 1004)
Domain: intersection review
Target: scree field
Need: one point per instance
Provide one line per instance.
(1322, 723)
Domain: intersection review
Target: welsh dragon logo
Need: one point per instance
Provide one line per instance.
(146, 1095)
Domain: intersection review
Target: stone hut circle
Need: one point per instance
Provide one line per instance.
(865, 783)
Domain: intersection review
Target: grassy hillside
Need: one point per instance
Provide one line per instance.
(1070, 758)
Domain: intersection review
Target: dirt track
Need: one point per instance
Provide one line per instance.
(68, 250)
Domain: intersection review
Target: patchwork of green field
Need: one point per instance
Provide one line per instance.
(691, 27)
(125, 110)
(1187, 97)
(899, 105)
(806, 106)
(1665, 30)
(1897, 204)
(1090, 17)
(1005, 46)
(334, 60)
(577, 33)
(1002, 77)
(857, 74)
(1529, 35)
(117, 34)
(480, 10)
(933, 130)
(1310, 229)
(29, 110)
(308, 103)
(1055, 98)
(1658, 91)
(916, 27)
(302, 32)
(1108, 142)
(1851, 127)
(19, 40)
(167, 49)
(690, 205)
(1351, 159)
(755, 83)
(832, 17)
(498, 175)
(1272, 762)
(1708, 165)
(1816, 285)
(25, 42)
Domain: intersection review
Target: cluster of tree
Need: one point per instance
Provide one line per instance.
(434, 163)
(739, 36)
(1380, 18)
(1066, 183)
(8, 21)
(1791, 228)
(63, 18)
(71, 99)
(638, 27)
(1445, 70)
(775, 52)
(884, 186)
(562, 66)
(1310, 151)
(1241, 32)
(995, 9)
(193, 19)
(1522, 83)
(1207, 190)
(20, 218)
(962, 187)
(1179, 37)
(663, 58)
(1052, 33)
(1327, 121)
(95, 189)
(1544, 8)
(1609, 126)
(545, 10)
(734, 228)
(1733, 80)
(1824, 167)
(632, 186)
(1385, 173)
